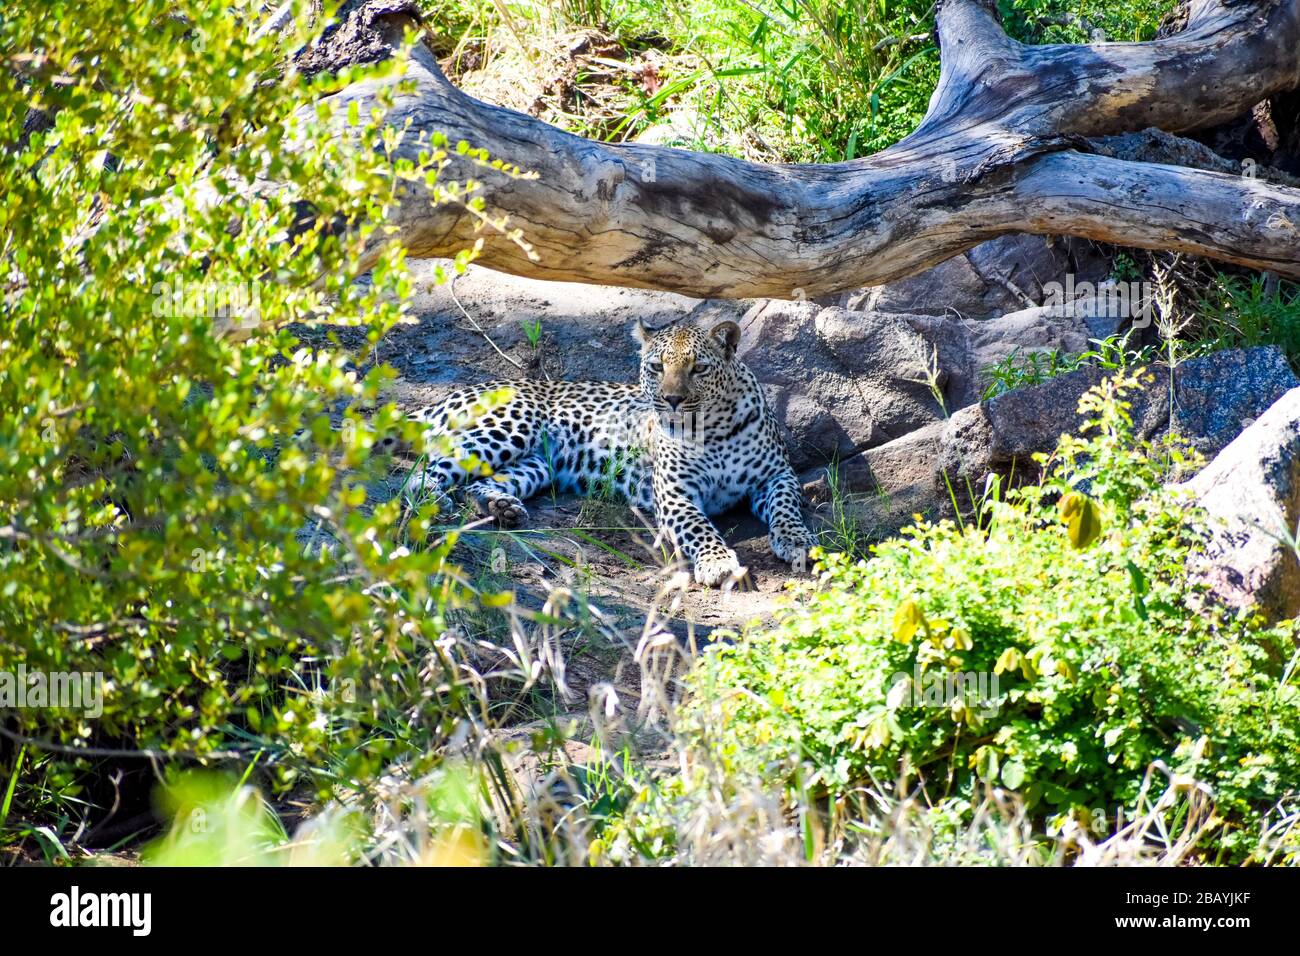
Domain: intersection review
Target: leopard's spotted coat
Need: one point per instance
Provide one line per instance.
(691, 439)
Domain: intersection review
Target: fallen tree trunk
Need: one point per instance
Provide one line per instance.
(1008, 145)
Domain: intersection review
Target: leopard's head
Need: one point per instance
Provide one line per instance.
(683, 367)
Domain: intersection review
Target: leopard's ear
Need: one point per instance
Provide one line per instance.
(640, 332)
(727, 334)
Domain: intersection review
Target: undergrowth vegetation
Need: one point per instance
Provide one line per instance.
(1039, 684)
(1193, 308)
(185, 520)
(1053, 647)
(776, 80)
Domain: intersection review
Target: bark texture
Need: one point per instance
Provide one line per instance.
(1015, 140)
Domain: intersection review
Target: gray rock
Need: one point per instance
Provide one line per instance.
(844, 381)
(952, 288)
(585, 330)
(900, 466)
(1214, 398)
(952, 340)
(1251, 493)
(839, 381)
(1003, 275)
(1217, 396)
(882, 488)
(1068, 330)
(1001, 435)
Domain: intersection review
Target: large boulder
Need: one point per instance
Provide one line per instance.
(839, 381)
(484, 328)
(843, 381)
(903, 466)
(1215, 397)
(1251, 494)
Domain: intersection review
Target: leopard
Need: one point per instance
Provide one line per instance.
(689, 440)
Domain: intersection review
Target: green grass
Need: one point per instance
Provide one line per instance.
(777, 80)
(844, 530)
(1022, 369)
(1242, 311)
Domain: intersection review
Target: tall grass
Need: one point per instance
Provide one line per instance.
(1237, 311)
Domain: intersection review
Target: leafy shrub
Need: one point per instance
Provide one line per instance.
(1023, 369)
(1055, 649)
(1082, 21)
(185, 512)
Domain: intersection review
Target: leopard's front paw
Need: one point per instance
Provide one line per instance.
(508, 511)
(717, 568)
(792, 544)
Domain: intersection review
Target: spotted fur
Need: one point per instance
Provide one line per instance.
(693, 438)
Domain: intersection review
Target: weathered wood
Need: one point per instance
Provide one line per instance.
(1004, 147)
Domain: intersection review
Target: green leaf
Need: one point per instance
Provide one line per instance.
(1013, 774)
(985, 762)
(1082, 519)
(908, 619)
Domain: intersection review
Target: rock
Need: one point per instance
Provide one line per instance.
(882, 488)
(1000, 435)
(1003, 275)
(1214, 398)
(585, 330)
(899, 466)
(841, 381)
(844, 381)
(951, 288)
(950, 339)
(1219, 395)
(1251, 493)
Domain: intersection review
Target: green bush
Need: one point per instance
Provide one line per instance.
(1025, 369)
(1055, 649)
(184, 512)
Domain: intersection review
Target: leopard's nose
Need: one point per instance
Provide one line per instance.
(674, 400)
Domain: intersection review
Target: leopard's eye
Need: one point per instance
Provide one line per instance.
(701, 369)
(657, 367)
